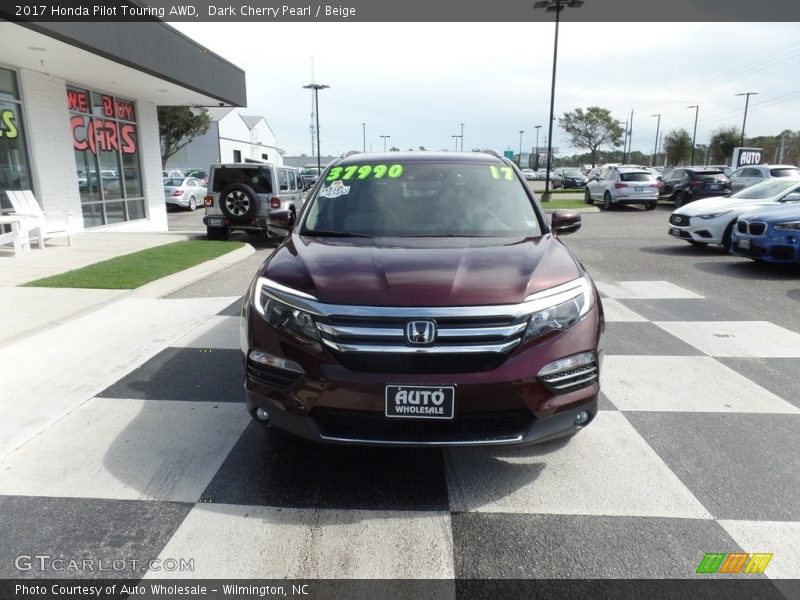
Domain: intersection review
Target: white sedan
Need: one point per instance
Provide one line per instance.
(711, 220)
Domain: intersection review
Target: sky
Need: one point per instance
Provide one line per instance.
(417, 82)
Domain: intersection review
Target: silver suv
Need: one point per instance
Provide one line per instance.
(746, 176)
(252, 197)
(619, 185)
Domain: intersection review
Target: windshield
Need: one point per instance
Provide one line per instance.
(766, 189)
(423, 199)
(173, 182)
(572, 173)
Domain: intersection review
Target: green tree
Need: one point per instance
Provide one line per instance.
(591, 129)
(177, 126)
(723, 141)
(678, 146)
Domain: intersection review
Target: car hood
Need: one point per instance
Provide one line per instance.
(710, 205)
(421, 271)
(774, 214)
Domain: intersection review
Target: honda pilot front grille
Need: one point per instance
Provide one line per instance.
(400, 345)
(420, 363)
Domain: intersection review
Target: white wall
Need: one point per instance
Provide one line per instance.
(50, 141)
(263, 140)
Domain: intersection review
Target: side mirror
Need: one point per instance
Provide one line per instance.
(660, 178)
(791, 197)
(564, 222)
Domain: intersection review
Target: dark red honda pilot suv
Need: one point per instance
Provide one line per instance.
(423, 299)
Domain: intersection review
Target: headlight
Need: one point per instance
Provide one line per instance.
(283, 316)
(713, 215)
(568, 308)
(788, 226)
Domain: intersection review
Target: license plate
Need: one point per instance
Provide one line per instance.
(744, 243)
(420, 402)
(639, 189)
(215, 222)
(675, 231)
(714, 186)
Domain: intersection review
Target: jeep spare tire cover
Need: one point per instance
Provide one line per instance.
(238, 202)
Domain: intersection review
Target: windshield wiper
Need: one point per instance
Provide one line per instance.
(325, 233)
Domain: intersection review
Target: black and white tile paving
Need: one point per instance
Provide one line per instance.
(127, 437)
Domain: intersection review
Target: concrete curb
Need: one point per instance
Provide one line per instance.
(172, 283)
(155, 289)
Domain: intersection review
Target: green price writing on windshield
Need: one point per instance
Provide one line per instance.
(365, 171)
(506, 173)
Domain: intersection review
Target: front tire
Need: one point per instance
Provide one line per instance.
(587, 197)
(192, 204)
(727, 237)
(607, 204)
(680, 199)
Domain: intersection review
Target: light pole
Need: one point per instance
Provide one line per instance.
(624, 141)
(537, 128)
(655, 146)
(462, 136)
(364, 135)
(696, 108)
(746, 102)
(385, 137)
(521, 131)
(317, 87)
(555, 6)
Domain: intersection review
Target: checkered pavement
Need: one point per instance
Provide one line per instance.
(127, 437)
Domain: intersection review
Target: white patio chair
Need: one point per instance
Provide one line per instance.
(27, 223)
(52, 223)
(13, 236)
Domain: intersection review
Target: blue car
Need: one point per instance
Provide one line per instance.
(769, 234)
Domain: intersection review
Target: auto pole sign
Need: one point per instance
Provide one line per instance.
(743, 157)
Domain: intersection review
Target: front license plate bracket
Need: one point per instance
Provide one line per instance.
(420, 401)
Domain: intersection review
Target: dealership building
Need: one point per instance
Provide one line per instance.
(78, 119)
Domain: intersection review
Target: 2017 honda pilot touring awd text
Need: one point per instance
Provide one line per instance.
(423, 299)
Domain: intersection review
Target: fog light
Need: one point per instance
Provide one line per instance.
(262, 415)
(275, 361)
(580, 420)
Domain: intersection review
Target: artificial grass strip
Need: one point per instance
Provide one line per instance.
(130, 271)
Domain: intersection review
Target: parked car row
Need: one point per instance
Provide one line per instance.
(761, 222)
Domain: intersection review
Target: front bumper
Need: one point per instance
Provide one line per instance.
(775, 246)
(707, 231)
(330, 403)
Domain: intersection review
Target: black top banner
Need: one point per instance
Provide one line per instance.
(403, 11)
